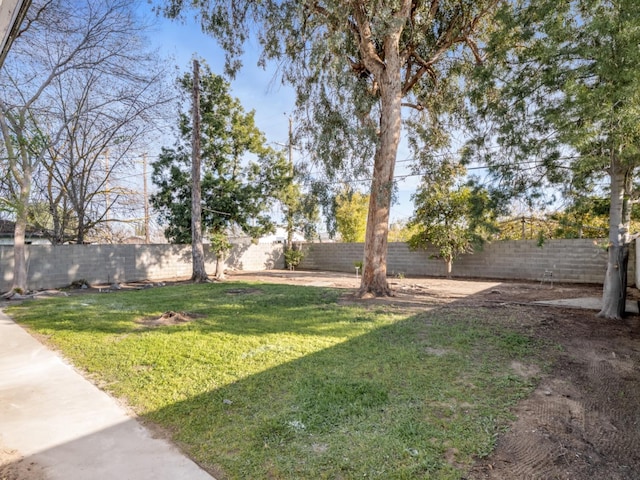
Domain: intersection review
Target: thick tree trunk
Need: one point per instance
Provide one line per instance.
(615, 283)
(374, 273)
(197, 250)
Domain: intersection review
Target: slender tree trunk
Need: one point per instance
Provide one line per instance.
(197, 250)
(615, 282)
(19, 255)
(220, 267)
(80, 230)
(20, 168)
(289, 213)
(57, 236)
(449, 263)
(147, 239)
(19, 235)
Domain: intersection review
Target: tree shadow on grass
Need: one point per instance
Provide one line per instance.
(414, 397)
(419, 398)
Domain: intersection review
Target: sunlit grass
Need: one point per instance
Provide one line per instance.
(275, 381)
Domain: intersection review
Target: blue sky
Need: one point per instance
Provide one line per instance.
(257, 89)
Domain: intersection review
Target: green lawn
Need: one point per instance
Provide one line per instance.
(282, 382)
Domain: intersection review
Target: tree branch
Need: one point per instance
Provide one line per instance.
(370, 57)
(415, 106)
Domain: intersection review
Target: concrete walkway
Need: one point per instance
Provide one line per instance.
(55, 418)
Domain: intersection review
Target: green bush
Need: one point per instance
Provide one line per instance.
(292, 258)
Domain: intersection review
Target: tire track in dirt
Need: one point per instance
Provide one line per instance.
(609, 414)
(583, 420)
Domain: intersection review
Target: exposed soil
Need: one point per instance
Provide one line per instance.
(14, 467)
(167, 318)
(583, 419)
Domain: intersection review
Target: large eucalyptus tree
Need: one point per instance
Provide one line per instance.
(355, 65)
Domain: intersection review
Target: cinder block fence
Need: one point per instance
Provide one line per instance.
(571, 261)
(58, 266)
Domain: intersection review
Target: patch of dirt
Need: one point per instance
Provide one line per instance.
(243, 291)
(14, 467)
(168, 318)
(582, 421)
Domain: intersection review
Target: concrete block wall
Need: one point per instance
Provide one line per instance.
(58, 266)
(333, 257)
(571, 261)
(255, 257)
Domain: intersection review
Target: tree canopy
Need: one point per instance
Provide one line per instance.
(78, 78)
(351, 215)
(240, 176)
(451, 216)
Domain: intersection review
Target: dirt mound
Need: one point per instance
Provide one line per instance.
(14, 467)
(168, 318)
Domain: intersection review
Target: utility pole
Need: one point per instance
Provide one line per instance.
(289, 208)
(146, 199)
(197, 250)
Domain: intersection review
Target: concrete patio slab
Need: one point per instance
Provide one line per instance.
(64, 424)
(589, 303)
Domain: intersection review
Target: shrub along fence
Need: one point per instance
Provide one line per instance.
(571, 261)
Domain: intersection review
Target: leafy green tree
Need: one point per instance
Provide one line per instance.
(57, 231)
(355, 65)
(585, 217)
(526, 227)
(451, 217)
(351, 215)
(236, 191)
(301, 211)
(220, 246)
(563, 96)
(588, 217)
